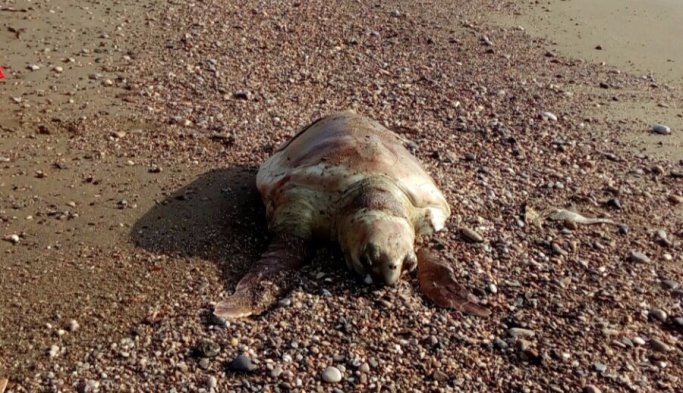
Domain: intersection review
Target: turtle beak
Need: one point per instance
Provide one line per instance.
(380, 265)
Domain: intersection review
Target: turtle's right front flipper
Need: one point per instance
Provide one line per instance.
(267, 280)
(438, 283)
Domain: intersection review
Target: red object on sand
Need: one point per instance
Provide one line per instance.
(1, 74)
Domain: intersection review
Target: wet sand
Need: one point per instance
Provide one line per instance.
(635, 36)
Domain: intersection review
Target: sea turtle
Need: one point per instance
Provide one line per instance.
(347, 179)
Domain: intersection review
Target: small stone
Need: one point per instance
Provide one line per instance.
(53, 351)
(615, 203)
(662, 238)
(557, 250)
(661, 129)
(215, 320)
(241, 364)
(671, 284)
(58, 69)
(204, 363)
(332, 375)
(659, 346)
(14, 238)
(276, 372)
(493, 288)
(638, 340)
(657, 314)
(33, 67)
(591, 389)
(364, 368)
(600, 367)
(520, 332)
(471, 235)
(639, 257)
(118, 134)
(211, 382)
(675, 199)
(548, 116)
(500, 344)
(373, 362)
(678, 321)
(440, 376)
(108, 82)
(242, 95)
(73, 325)
(208, 349)
(155, 169)
(286, 302)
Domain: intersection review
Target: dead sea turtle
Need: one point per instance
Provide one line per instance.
(347, 179)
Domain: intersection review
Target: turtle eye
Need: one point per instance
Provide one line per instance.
(371, 254)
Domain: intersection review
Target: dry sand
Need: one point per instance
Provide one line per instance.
(128, 206)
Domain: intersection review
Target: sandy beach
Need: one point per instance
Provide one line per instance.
(131, 133)
(635, 36)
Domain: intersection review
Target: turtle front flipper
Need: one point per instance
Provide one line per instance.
(267, 280)
(438, 283)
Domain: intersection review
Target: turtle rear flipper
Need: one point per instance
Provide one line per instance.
(267, 280)
(438, 283)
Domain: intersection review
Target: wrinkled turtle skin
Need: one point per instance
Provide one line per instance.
(347, 179)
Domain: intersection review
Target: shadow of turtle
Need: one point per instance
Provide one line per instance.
(217, 217)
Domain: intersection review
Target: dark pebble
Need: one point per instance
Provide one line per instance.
(242, 364)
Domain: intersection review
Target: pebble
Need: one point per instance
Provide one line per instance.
(662, 238)
(155, 169)
(591, 389)
(659, 346)
(639, 257)
(73, 325)
(678, 321)
(33, 67)
(675, 199)
(549, 116)
(14, 238)
(276, 372)
(53, 351)
(638, 340)
(671, 284)
(58, 69)
(332, 375)
(208, 349)
(204, 363)
(658, 314)
(242, 364)
(211, 382)
(471, 235)
(364, 368)
(661, 129)
(520, 332)
(600, 367)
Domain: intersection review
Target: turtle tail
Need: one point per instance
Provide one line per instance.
(438, 283)
(267, 279)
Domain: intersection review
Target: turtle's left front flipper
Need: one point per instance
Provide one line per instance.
(438, 283)
(267, 280)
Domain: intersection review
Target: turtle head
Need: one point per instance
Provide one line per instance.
(378, 246)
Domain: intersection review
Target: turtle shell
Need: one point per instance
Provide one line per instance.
(303, 183)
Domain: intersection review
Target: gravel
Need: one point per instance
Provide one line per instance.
(142, 255)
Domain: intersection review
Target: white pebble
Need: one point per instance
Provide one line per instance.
(549, 116)
(661, 129)
(14, 238)
(332, 375)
